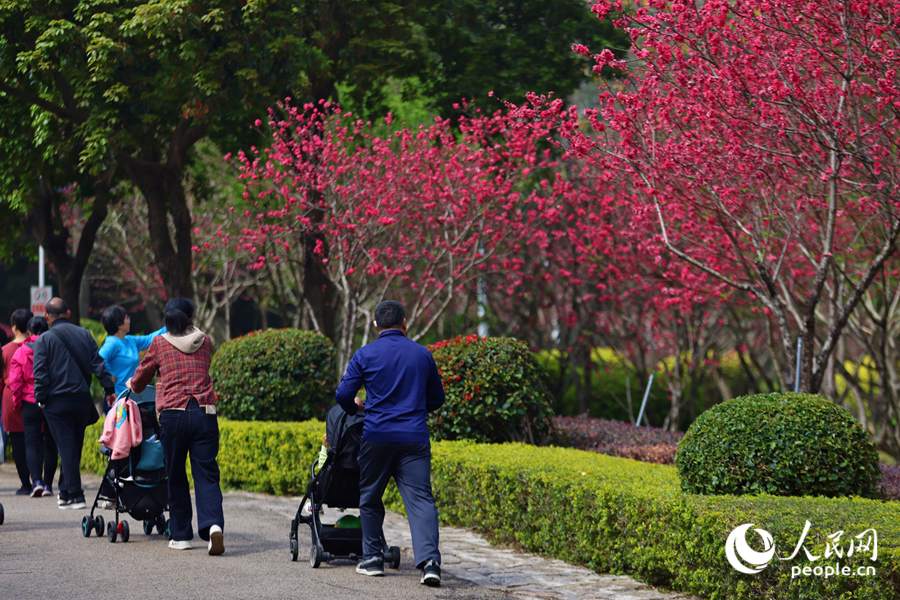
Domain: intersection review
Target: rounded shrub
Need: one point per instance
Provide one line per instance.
(781, 444)
(495, 391)
(275, 375)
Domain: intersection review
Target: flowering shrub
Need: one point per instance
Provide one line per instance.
(615, 438)
(781, 444)
(495, 391)
(275, 375)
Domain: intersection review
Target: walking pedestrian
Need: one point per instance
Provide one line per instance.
(10, 416)
(64, 358)
(186, 405)
(40, 448)
(121, 350)
(402, 386)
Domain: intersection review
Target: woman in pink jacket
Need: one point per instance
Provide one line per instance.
(40, 448)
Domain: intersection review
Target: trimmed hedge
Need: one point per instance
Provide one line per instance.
(611, 514)
(275, 375)
(620, 516)
(785, 444)
(495, 391)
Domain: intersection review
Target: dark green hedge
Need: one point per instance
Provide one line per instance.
(275, 375)
(784, 444)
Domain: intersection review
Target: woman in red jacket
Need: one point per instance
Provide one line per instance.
(11, 417)
(186, 405)
(40, 448)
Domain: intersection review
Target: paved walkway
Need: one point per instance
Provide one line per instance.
(469, 556)
(43, 555)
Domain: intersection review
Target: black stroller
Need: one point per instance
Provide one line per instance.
(135, 484)
(336, 485)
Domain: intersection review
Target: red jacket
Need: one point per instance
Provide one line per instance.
(11, 418)
(21, 374)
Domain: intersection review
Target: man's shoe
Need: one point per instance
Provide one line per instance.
(25, 490)
(373, 567)
(431, 574)
(72, 503)
(180, 545)
(61, 499)
(216, 541)
(37, 489)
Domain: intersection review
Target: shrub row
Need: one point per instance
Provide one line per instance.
(616, 438)
(611, 514)
(620, 516)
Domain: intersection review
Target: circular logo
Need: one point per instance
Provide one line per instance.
(737, 550)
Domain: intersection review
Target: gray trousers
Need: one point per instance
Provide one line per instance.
(410, 466)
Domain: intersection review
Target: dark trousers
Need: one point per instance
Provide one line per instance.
(40, 447)
(67, 420)
(410, 466)
(17, 441)
(195, 433)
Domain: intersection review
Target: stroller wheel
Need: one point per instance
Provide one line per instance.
(168, 529)
(393, 557)
(161, 524)
(124, 530)
(111, 532)
(1, 514)
(87, 524)
(148, 526)
(98, 525)
(295, 548)
(315, 557)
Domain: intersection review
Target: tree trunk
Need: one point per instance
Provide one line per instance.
(163, 191)
(54, 236)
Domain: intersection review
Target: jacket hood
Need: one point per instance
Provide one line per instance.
(188, 343)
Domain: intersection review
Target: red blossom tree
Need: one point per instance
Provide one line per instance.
(414, 215)
(759, 139)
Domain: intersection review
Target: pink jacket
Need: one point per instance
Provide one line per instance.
(21, 374)
(122, 428)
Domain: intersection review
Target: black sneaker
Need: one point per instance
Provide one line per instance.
(25, 490)
(72, 503)
(37, 489)
(431, 574)
(374, 567)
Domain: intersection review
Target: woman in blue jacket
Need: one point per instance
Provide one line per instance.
(120, 350)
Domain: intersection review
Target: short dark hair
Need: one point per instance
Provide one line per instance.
(389, 314)
(20, 318)
(179, 312)
(37, 325)
(112, 318)
(57, 307)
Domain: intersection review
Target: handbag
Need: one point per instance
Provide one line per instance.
(92, 415)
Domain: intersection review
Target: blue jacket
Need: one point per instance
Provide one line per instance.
(122, 355)
(402, 387)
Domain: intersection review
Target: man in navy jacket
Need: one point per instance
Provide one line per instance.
(402, 386)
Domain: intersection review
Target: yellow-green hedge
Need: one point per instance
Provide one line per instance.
(621, 516)
(611, 514)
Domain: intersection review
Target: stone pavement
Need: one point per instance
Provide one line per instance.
(469, 556)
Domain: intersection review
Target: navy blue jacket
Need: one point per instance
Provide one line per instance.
(402, 387)
(57, 376)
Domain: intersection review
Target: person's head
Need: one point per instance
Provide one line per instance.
(113, 318)
(37, 325)
(179, 315)
(57, 309)
(19, 320)
(390, 315)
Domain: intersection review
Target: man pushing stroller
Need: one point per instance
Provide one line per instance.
(402, 386)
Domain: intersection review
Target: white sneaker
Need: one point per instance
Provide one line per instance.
(216, 541)
(182, 545)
